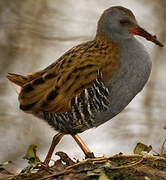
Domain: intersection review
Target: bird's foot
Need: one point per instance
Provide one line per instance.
(90, 155)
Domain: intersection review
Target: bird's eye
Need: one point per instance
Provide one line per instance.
(124, 21)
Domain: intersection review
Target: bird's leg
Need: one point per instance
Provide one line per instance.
(55, 141)
(85, 149)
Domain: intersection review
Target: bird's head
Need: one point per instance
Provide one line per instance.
(119, 23)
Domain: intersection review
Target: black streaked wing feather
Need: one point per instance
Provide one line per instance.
(84, 106)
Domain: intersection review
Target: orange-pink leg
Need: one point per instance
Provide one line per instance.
(58, 137)
(85, 149)
(55, 141)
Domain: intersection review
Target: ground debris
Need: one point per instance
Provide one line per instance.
(139, 166)
(120, 166)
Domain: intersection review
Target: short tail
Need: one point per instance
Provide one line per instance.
(17, 81)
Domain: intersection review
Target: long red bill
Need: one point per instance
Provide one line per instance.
(141, 32)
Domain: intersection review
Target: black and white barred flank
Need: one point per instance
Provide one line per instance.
(84, 107)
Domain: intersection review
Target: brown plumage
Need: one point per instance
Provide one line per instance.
(53, 88)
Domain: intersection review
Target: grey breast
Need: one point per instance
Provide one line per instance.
(132, 77)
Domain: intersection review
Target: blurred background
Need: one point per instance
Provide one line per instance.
(33, 34)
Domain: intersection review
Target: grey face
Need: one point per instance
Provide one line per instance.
(116, 24)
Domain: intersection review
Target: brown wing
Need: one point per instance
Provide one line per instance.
(54, 95)
(54, 89)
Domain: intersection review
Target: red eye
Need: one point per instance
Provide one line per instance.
(124, 21)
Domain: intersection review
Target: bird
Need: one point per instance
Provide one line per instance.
(92, 82)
